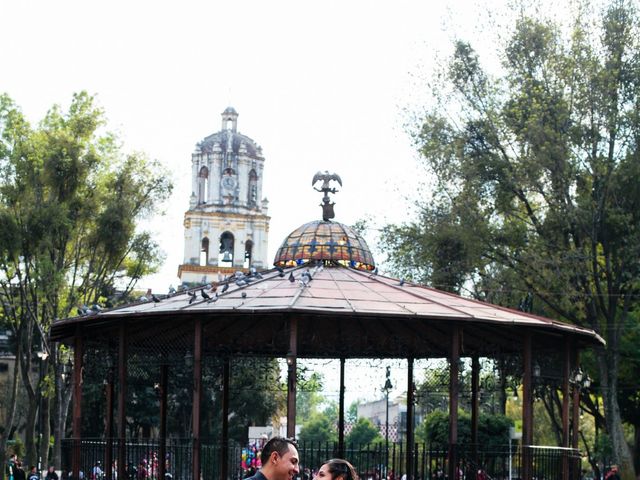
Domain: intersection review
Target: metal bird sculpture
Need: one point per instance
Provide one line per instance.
(326, 177)
(327, 205)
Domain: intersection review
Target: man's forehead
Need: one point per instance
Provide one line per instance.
(293, 452)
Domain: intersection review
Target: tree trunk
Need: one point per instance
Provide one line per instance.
(11, 412)
(29, 433)
(45, 431)
(621, 451)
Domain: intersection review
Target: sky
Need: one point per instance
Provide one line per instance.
(319, 85)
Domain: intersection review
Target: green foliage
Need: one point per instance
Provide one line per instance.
(536, 173)
(308, 394)
(319, 428)
(363, 432)
(70, 201)
(493, 430)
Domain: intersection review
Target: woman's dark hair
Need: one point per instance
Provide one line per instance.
(339, 467)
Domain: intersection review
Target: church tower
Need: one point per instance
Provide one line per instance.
(226, 226)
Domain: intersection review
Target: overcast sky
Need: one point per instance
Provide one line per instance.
(319, 85)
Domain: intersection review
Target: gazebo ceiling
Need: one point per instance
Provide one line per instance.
(340, 311)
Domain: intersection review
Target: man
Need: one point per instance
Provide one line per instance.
(11, 466)
(613, 474)
(279, 459)
(33, 473)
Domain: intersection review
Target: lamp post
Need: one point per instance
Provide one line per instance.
(386, 389)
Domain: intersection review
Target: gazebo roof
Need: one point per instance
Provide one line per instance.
(342, 311)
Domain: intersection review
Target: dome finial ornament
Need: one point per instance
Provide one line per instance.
(327, 205)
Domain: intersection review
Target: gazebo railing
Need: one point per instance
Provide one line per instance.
(372, 461)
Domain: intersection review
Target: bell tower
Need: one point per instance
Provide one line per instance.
(226, 226)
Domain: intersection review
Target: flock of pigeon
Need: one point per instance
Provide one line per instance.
(240, 278)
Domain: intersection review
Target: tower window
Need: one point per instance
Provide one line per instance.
(226, 249)
(203, 185)
(204, 252)
(252, 199)
(248, 250)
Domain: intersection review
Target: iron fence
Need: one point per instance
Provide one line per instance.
(372, 461)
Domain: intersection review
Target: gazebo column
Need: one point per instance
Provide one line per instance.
(108, 455)
(122, 400)
(454, 387)
(410, 409)
(341, 412)
(78, 368)
(291, 377)
(527, 408)
(224, 434)
(197, 396)
(566, 371)
(475, 384)
(164, 382)
(575, 427)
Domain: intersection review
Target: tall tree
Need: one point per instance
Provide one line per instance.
(536, 171)
(69, 204)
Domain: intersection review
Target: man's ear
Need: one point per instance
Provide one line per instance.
(273, 458)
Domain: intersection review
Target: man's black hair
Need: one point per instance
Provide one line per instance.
(276, 444)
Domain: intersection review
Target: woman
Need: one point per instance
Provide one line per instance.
(336, 469)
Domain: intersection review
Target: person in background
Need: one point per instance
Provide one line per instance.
(19, 473)
(613, 474)
(33, 473)
(51, 474)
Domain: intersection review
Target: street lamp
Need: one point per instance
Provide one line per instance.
(386, 389)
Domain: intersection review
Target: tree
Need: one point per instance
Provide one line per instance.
(319, 428)
(363, 432)
(69, 204)
(493, 430)
(536, 178)
(308, 394)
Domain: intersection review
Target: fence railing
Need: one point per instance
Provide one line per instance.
(372, 461)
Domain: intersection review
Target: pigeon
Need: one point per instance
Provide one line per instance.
(193, 297)
(155, 299)
(244, 294)
(214, 287)
(375, 271)
(292, 278)
(401, 282)
(204, 294)
(214, 299)
(83, 310)
(225, 288)
(171, 290)
(241, 282)
(259, 276)
(280, 269)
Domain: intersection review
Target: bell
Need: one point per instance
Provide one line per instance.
(226, 257)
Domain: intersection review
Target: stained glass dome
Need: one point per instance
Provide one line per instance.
(325, 240)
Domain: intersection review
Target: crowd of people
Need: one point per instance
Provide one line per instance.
(16, 471)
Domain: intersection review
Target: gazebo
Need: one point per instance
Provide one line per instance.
(324, 298)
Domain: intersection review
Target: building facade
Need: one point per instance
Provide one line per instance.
(226, 226)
